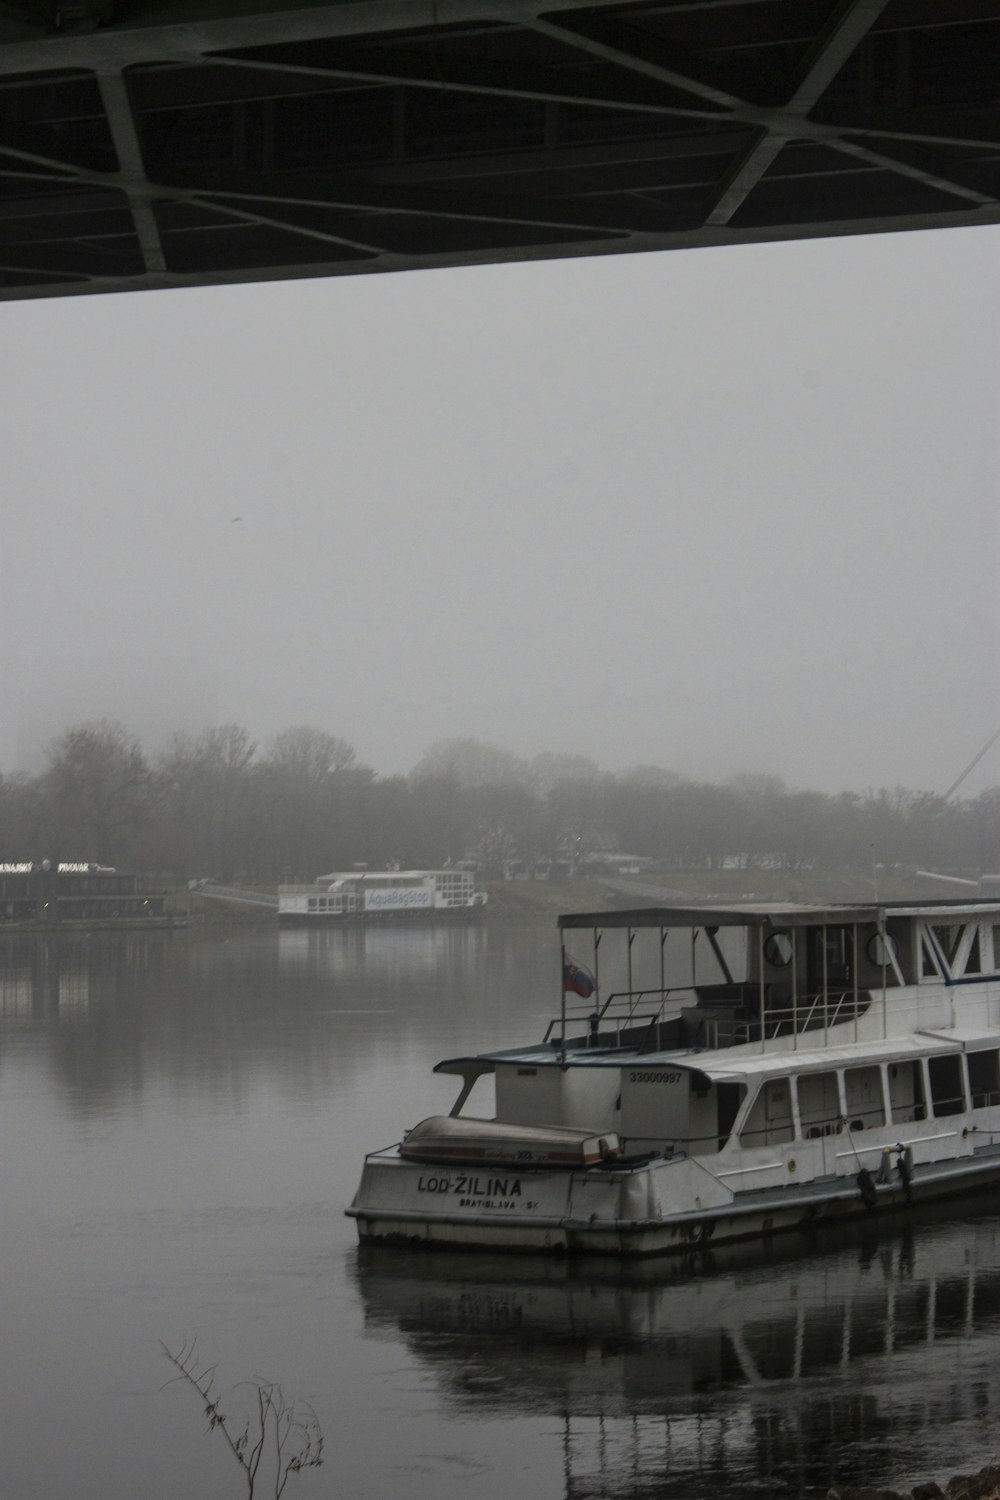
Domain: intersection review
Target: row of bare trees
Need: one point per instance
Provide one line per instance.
(219, 804)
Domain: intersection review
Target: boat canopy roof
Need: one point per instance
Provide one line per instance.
(738, 1064)
(719, 1068)
(777, 914)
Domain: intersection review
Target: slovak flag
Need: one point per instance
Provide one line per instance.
(577, 978)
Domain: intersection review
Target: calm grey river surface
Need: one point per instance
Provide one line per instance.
(183, 1122)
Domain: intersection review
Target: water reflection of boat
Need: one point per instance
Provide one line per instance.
(43, 977)
(837, 1059)
(380, 949)
(859, 1358)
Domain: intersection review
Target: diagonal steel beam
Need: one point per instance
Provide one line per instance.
(739, 183)
(530, 87)
(655, 61)
(289, 226)
(502, 214)
(132, 172)
(561, 159)
(349, 194)
(848, 28)
(846, 31)
(259, 190)
(944, 180)
(39, 146)
(142, 194)
(911, 133)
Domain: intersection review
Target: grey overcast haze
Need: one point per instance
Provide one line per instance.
(720, 511)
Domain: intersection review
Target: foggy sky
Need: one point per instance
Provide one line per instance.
(719, 510)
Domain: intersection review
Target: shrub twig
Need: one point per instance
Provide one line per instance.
(289, 1432)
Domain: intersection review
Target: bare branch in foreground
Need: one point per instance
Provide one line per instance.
(289, 1435)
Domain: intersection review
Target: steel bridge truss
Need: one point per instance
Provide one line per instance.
(146, 145)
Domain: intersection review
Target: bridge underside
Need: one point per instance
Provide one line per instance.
(155, 145)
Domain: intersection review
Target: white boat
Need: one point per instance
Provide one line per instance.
(354, 895)
(819, 1061)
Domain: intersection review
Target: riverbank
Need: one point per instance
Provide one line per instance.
(517, 899)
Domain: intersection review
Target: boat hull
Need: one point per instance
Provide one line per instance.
(544, 1211)
(425, 917)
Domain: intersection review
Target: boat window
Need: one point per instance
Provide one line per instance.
(902, 933)
(770, 1119)
(948, 940)
(984, 1078)
(961, 947)
(863, 1097)
(947, 1085)
(729, 1096)
(881, 950)
(973, 962)
(886, 957)
(819, 1105)
(778, 949)
(932, 960)
(834, 957)
(906, 1092)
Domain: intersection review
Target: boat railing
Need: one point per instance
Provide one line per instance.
(641, 1019)
(626, 1018)
(810, 1013)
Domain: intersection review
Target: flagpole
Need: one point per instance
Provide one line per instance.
(597, 970)
(562, 981)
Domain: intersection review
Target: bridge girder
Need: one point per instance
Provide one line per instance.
(146, 145)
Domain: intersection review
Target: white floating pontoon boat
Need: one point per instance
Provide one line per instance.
(825, 1061)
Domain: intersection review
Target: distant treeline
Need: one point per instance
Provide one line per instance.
(217, 804)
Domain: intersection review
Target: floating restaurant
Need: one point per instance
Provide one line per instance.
(356, 895)
(48, 894)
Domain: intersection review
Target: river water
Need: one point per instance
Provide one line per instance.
(183, 1119)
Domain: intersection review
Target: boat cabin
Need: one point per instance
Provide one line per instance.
(767, 1026)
